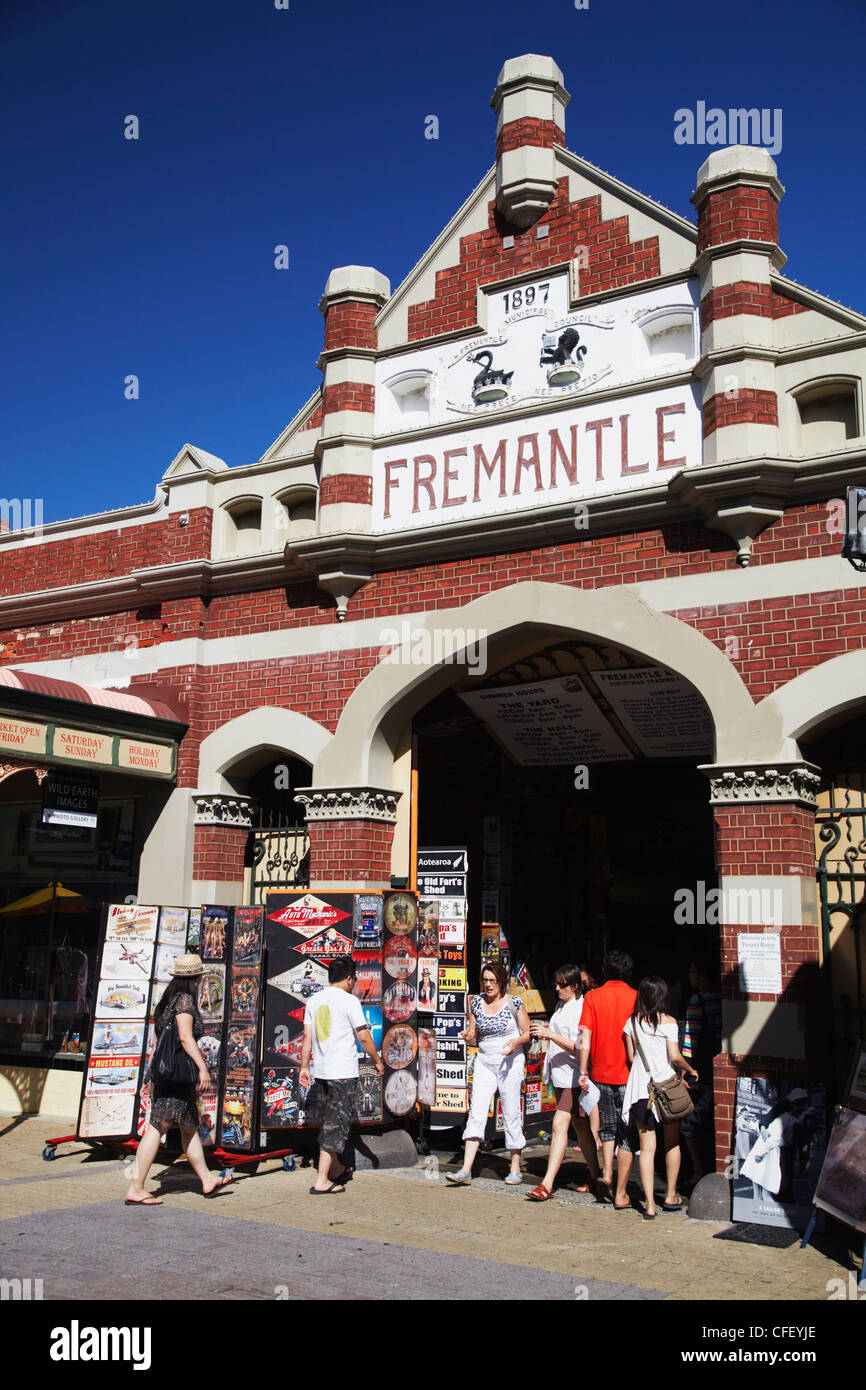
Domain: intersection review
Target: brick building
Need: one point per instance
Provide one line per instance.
(548, 565)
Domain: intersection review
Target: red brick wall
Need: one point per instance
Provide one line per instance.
(528, 131)
(778, 838)
(741, 213)
(346, 487)
(774, 638)
(351, 323)
(613, 260)
(748, 407)
(746, 297)
(350, 850)
(349, 395)
(119, 551)
(219, 853)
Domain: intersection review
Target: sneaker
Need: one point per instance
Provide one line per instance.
(514, 1180)
(461, 1179)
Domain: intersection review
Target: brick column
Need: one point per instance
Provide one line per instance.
(351, 831)
(222, 827)
(529, 102)
(737, 201)
(353, 296)
(765, 856)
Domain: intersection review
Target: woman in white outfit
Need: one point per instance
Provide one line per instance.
(560, 1071)
(659, 1040)
(499, 1024)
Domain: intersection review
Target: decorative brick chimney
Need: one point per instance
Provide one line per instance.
(529, 102)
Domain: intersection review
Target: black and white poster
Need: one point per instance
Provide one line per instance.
(780, 1142)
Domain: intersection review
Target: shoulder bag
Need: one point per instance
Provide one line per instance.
(171, 1065)
(669, 1099)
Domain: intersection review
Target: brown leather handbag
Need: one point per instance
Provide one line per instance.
(669, 1100)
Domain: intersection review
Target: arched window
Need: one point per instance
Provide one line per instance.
(828, 411)
(243, 528)
(296, 514)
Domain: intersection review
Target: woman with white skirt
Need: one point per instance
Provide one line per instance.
(499, 1024)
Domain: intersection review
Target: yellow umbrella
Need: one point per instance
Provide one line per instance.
(52, 898)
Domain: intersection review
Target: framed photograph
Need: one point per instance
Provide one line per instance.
(857, 1082)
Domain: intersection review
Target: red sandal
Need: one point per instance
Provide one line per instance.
(539, 1194)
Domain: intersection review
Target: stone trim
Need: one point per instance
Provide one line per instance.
(219, 809)
(349, 803)
(741, 784)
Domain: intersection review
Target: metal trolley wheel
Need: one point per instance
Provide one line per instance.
(289, 1164)
(48, 1153)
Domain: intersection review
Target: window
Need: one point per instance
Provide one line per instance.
(828, 414)
(243, 527)
(295, 515)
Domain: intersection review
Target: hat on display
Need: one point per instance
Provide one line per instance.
(187, 965)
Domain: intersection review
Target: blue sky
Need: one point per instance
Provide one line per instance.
(305, 127)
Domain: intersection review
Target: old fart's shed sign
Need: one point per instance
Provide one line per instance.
(57, 743)
(560, 456)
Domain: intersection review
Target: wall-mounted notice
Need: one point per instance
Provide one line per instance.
(661, 711)
(760, 961)
(552, 723)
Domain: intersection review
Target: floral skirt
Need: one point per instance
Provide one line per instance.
(177, 1106)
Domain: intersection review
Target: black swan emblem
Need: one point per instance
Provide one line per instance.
(488, 376)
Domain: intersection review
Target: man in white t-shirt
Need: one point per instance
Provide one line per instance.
(333, 1021)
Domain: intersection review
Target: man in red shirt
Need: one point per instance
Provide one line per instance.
(605, 1012)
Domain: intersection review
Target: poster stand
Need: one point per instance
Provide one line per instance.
(844, 1164)
(138, 945)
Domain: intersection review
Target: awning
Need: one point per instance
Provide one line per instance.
(58, 723)
(86, 694)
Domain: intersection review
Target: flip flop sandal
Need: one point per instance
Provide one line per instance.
(143, 1202)
(647, 1215)
(334, 1190)
(460, 1179)
(584, 1187)
(602, 1191)
(539, 1194)
(672, 1206)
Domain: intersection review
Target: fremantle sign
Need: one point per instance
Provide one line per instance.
(561, 456)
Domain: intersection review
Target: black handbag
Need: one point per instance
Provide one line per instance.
(171, 1065)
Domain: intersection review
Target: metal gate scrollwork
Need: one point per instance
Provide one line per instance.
(280, 856)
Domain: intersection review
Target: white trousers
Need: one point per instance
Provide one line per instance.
(494, 1073)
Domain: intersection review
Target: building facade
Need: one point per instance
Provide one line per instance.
(548, 565)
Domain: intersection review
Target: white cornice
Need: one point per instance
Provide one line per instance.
(96, 522)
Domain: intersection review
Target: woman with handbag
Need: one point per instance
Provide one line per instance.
(499, 1024)
(176, 1071)
(655, 1098)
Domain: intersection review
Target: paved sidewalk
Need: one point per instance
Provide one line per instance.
(265, 1237)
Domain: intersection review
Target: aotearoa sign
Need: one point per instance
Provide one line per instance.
(563, 455)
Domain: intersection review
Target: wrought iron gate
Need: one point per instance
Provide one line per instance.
(278, 854)
(841, 821)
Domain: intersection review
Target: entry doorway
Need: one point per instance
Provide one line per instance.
(575, 861)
